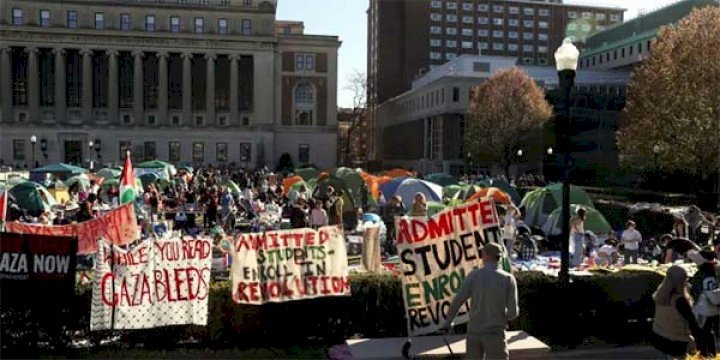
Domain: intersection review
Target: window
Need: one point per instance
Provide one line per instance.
(467, 6)
(528, 61)
(451, 43)
(99, 20)
(543, 37)
(17, 16)
(514, 10)
(435, 42)
(435, 17)
(483, 45)
(305, 62)
(498, 46)
(513, 47)
(436, 4)
(528, 36)
(304, 153)
(221, 152)
(245, 152)
(304, 104)
(483, 7)
(451, 31)
(450, 56)
(150, 23)
(174, 151)
(222, 26)
(572, 14)
(435, 30)
(544, 12)
(631, 49)
(542, 49)
(45, 18)
(528, 23)
(622, 53)
(199, 25)
(456, 94)
(600, 27)
(543, 24)
(572, 26)
(614, 17)
(174, 24)
(198, 151)
(529, 11)
(498, 21)
(124, 147)
(483, 33)
(467, 45)
(199, 120)
(451, 5)
(72, 20)
(513, 22)
(467, 32)
(483, 20)
(542, 62)
(126, 119)
(467, 19)
(640, 48)
(615, 54)
(498, 8)
(19, 149)
(528, 48)
(587, 15)
(246, 27)
(513, 34)
(175, 120)
(451, 18)
(151, 120)
(434, 55)
(586, 27)
(150, 150)
(600, 17)
(498, 34)
(124, 22)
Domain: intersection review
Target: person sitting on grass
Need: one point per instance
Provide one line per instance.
(607, 254)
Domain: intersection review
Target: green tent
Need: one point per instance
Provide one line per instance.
(148, 179)
(232, 186)
(163, 169)
(594, 221)
(32, 197)
(468, 191)
(354, 184)
(108, 173)
(82, 180)
(451, 190)
(539, 203)
(307, 173)
(442, 179)
(349, 205)
(60, 170)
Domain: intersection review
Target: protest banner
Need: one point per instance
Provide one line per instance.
(34, 266)
(118, 227)
(156, 283)
(436, 254)
(285, 265)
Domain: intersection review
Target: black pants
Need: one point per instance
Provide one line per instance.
(706, 341)
(669, 347)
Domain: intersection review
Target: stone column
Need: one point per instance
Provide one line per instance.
(210, 89)
(234, 93)
(163, 87)
(138, 88)
(33, 88)
(187, 88)
(60, 89)
(113, 86)
(6, 84)
(87, 101)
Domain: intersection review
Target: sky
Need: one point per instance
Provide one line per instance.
(348, 20)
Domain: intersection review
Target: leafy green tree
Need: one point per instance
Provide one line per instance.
(505, 111)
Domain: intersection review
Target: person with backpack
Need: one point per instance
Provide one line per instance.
(705, 293)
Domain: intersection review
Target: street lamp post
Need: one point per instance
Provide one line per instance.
(91, 147)
(33, 140)
(548, 158)
(519, 154)
(566, 58)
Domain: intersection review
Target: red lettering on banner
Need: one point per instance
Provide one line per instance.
(324, 236)
(158, 275)
(103, 286)
(419, 230)
(486, 213)
(473, 209)
(403, 232)
(458, 212)
(309, 238)
(440, 227)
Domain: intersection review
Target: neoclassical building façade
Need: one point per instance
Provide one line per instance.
(184, 81)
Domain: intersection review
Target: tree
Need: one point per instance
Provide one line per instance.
(505, 110)
(673, 108)
(357, 85)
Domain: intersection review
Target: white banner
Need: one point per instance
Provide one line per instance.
(156, 283)
(285, 265)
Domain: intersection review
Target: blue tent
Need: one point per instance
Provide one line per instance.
(407, 187)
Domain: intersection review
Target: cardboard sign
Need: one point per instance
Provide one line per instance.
(118, 227)
(436, 254)
(287, 265)
(157, 283)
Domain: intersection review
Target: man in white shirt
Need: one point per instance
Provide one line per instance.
(631, 239)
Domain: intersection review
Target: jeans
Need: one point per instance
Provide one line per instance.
(487, 346)
(631, 256)
(576, 257)
(706, 341)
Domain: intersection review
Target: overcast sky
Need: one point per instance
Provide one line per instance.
(347, 19)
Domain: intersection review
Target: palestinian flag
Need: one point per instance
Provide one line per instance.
(127, 182)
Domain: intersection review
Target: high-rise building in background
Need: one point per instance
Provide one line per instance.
(407, 38)
(212, 81)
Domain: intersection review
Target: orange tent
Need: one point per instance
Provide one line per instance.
(288, 182)
(371, 182)
(496, 194)
(396, 173)
(383, 179)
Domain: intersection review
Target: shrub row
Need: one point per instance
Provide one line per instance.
(598, 305)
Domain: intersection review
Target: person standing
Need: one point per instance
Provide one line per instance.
(495, 302)
(419, 205)
(335, 207)
(298, 216)
(318, 216)
(674, 323)
(631, 239)
(577, 235)
(509, 229)
(703, 284)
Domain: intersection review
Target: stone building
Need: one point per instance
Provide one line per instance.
(191, 81)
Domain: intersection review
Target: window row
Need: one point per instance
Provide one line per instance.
(125, 22)
(587, 15)
(585, 27)
(495, 21)
(468, 6)
(622, 53)
(429, 100)
(495, 34)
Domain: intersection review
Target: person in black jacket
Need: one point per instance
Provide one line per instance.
(298, 216)
(706, 280)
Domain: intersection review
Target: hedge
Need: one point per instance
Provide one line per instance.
(593, 306)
